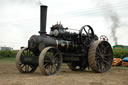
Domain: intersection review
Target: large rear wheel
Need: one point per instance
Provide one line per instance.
(100, 56)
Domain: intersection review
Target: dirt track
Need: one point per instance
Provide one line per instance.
(9, 75)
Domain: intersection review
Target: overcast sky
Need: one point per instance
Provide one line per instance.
(19, 19)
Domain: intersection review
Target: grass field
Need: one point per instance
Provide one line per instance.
(10, 59)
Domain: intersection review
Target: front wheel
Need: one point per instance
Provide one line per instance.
(50, 61)
(25, 68)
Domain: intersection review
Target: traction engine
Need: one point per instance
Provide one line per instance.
(78, 50)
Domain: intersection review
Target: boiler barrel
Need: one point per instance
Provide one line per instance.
(40, 42)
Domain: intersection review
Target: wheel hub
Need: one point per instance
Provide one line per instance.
(53, 61)
(102, 56)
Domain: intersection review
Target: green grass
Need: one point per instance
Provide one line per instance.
(120, 53)
(11, 59)
(122, 67)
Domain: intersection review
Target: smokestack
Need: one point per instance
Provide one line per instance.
(43, 18)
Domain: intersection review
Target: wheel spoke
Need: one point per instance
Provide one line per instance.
(54, 68)
(102, 48)
(107, 47)
(57, 61)
(99, 50)
(51, 69)
(25, 68)
(45, 64)
(106, 59)
(98, 55)
(89, 31)
(27, 52)
(86, 31)
(23, 54)
(22, 65)
(47, 69)
(107, 55)
(98, 64)
(102, 64)
(47, 61)
(29, 68)
(106, 62)
(55, 54)
(56, 58)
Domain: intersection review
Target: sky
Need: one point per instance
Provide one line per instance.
(20, 19)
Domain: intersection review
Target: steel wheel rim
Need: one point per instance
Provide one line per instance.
(24, 68)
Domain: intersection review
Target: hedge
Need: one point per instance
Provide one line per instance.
(8, 53)
(120, 53)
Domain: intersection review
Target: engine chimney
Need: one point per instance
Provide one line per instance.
(43, 18)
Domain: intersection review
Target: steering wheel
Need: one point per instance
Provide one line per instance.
(85, 32)
(104, 38)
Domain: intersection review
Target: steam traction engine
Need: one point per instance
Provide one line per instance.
(78, 50)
